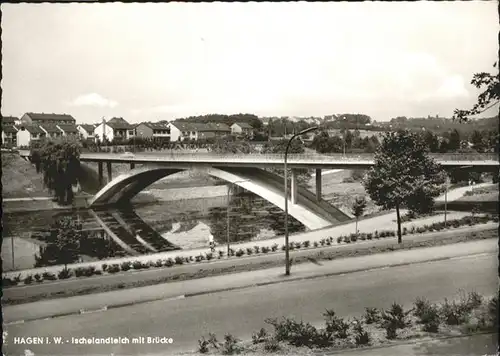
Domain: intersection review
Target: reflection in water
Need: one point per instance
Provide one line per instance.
(87, 235)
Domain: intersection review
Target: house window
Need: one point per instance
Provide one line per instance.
(131, 132)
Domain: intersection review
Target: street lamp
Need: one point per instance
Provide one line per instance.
(227, 214)
(287, 250)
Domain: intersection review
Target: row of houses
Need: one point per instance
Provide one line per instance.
(34, 126)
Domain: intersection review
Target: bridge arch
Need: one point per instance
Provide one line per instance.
(307, 210)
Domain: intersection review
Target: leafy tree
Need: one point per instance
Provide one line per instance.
(489, 97)
(358, 209)
(229, 144)
(431, 141)
(454, 141)
(59, 161)
(403, 174)
(63, 244)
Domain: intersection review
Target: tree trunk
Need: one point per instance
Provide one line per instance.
(356, 225)
(399, 223)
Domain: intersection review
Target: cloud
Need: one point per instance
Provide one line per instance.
(93, 99)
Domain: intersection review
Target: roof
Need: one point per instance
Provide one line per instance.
(47, 117)
(9, 129)
(9, 120)
(34, 129)
(155, 125)
(243, 125)
(118, 123)
(50, 128)
(88, 128)
(68, 128)
(201, 127)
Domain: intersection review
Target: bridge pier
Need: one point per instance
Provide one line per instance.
(294, 189)
(110, 175)
(318, 185)
(132, 165)
(100, 171)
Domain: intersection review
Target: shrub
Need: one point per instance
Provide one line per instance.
(209, 256)
(221, 254)
(259, 336)
(361, 336)
(330, 238)
(421, 306)
(159, 263)
(316, 244)
(145, 265)
(339, 239)
(114, 268)
(203, 346)
(405, 231)
(65, 273)
(104, 267)
(283, 248)
(17, 279)
(335, 325)
(169, 262)
(239, 253)
(393, 319)
(125, 266)
(230, 345)
(291, 246)
(306, 243)
(372, 315)
(347, 239)
(362, 236)
(178, 260)
(474, 300)
(137, 265)
(392, 233)
(376, 234)
(265, 249)
(249, 251)
(297, 333)
(454, 313)
(353, 237)
(322, 242)
(28, 279)
(272, 345)
(257, 249)
(212, 340)
(430, 319)
(49, 276)
(38, 278)
(328, 242)
(274, 247)
(413, 229)
(231, 252)
(369, 236)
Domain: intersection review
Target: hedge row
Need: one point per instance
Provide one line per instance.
(170, 262)
(470, 314)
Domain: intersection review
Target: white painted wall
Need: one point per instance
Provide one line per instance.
(23, 137)
(108, 131)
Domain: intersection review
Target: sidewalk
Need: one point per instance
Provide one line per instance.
(469, 345)
(188, 288)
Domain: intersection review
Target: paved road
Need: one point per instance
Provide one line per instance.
(242, 312)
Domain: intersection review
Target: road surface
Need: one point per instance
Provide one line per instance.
(242, 312)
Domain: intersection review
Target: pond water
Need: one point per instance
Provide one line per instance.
(137, 229)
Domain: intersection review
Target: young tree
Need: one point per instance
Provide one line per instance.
(403, 174)
(358, 209)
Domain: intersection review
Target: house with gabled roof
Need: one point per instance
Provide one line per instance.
(9, 135)
(51, 130)
(184, 130)
(152, 129)
(68, 130)
(241, 128)
(31, 118)
(86, 131)
(115, 129)
(28, 133)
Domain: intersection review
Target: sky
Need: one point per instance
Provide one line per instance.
(150, 62)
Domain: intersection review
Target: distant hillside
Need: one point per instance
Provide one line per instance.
(440, 125)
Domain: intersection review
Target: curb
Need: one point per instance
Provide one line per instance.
(221, 290)
(405, 342)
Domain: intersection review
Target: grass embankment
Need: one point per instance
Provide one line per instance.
(20, 179)
(463, 314)
(186, 269)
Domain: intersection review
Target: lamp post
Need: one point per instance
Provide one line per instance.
(227, 214)
(287, 249)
